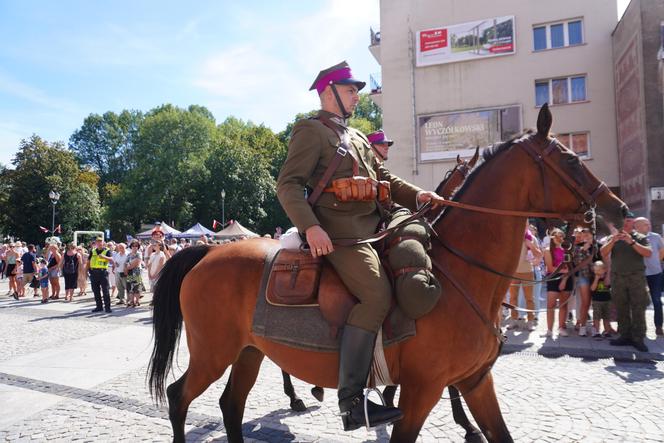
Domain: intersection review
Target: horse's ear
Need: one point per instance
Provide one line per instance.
(473, 160)
(544, 121)
(458, 159)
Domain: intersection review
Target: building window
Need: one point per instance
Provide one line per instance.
(539, 35)
(559, 91)
(579, 142)
(558, 35)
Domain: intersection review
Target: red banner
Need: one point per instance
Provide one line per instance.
(433, 39)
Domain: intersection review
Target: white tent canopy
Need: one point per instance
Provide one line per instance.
(167, 230)
(235, 230)
(195, 231)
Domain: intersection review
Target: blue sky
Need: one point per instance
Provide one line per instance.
(63, 60)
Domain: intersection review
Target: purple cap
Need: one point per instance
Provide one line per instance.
(339, 74)
(379, 137)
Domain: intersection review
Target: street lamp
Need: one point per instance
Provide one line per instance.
(223, 209)
(54, 196)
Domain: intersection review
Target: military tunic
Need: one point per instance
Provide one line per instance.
(311, 149)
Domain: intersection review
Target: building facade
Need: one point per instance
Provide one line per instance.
(638, 52)
(461, 73)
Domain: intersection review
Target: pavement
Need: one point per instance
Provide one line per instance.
(69, 375)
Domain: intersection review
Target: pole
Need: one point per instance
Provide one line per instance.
(223, 212)
(53, 220)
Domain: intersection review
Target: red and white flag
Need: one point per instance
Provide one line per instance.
(215, 223)
(43, 229)
(58, 229)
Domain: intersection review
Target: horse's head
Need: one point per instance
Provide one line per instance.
(565, 183)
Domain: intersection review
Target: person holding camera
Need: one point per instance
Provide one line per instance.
(119, 265)
(157, 254)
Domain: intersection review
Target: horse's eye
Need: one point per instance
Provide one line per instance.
(573, 160)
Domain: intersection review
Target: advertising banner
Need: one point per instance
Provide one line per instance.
(446, 135)
(467, 41)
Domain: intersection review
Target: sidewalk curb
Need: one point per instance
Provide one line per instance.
(624, 356)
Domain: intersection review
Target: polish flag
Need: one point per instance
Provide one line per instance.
(43, 229)
(215, 223)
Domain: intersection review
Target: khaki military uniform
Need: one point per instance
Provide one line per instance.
(629, 289)
(312, 147)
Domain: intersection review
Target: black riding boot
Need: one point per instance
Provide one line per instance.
(355, 358)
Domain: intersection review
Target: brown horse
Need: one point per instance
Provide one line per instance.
(214, 291)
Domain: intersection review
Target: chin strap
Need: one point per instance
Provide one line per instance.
(378, 154)
(346, 114)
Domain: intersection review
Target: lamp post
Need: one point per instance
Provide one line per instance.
(54, 196)
(223, 209)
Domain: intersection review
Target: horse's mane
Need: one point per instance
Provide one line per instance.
(487, 154)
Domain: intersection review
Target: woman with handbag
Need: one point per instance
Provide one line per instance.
(70, 265)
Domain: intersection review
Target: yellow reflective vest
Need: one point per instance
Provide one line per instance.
(96, 262)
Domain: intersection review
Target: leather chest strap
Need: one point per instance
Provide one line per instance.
(342, 150)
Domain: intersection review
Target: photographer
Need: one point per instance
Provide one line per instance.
(157, 254)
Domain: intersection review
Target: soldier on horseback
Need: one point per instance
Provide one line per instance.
(345, 183)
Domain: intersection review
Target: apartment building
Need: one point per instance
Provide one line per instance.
(461, 73)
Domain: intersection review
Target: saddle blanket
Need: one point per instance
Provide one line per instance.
(305, 328)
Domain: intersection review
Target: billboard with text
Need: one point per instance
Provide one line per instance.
(466, 41)
(445, 135)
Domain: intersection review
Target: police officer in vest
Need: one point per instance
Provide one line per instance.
(100, 258)
(324, 216)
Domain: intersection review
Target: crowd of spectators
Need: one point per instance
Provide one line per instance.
(617, 276)
(43, 267)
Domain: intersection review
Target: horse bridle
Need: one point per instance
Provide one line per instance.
(542, 159)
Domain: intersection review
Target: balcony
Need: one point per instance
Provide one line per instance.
(376, 85)
(374, 47)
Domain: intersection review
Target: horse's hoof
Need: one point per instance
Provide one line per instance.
(298, 406)
(318, 393)
(474, 436)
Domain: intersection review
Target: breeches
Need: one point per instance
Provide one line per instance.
(629, 293)
(360, 269)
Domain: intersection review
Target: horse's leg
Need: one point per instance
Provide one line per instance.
(243, 376)
(180, 394)
(296, 403)
(460, 418)
(483, 404)
(388, 395)
(416, 401)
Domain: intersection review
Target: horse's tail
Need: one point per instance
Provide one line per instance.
(167, 316)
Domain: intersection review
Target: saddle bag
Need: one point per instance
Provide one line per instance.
(416, 288)
(294, 278)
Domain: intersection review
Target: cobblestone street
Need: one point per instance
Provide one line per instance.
(69, 375)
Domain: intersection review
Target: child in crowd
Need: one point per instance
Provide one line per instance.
(601, 300)
(43, 279)
(19, 279)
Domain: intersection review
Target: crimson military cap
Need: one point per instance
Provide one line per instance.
(339, 74)
(379, 137)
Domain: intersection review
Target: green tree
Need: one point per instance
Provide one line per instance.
(105, 142)
(168, 155)
(367, 117)
(40, 167)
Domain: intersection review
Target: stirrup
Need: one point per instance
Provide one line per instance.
(368, 391)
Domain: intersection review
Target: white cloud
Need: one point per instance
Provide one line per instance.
(15, 88)
(266, 77)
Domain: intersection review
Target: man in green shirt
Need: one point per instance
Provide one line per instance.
(629, 290)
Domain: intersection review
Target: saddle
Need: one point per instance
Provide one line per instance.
(299, 280)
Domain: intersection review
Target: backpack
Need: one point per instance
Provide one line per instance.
(70, 265)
